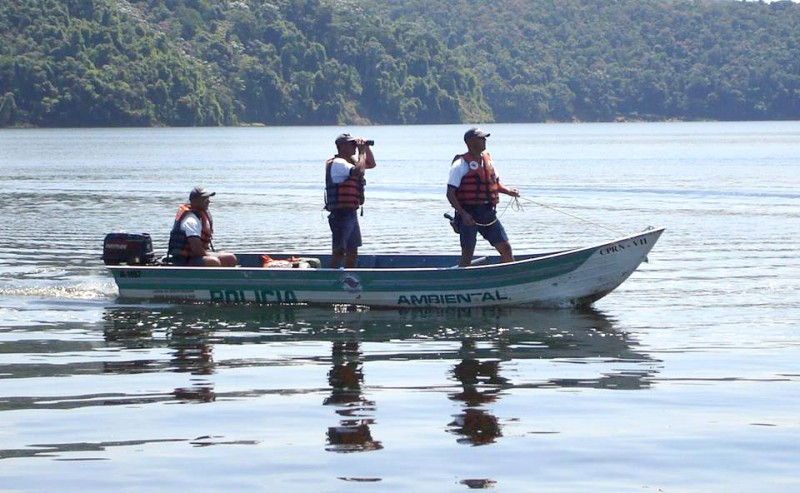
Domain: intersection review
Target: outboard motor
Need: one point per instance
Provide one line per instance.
(128, 248)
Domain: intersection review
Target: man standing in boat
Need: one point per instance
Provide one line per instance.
(190, 238)
(473, 190)
(344, 194)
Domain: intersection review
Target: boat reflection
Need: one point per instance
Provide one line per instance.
(479, 342)
(191, 331)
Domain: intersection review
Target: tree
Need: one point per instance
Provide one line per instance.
(8, 108)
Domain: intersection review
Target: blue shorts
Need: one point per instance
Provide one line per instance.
(345, 229)
(483, 214)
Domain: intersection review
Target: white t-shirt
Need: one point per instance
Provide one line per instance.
(340, 170)
(191, 225)
(459, 168)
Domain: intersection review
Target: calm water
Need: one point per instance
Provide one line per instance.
(685, 379)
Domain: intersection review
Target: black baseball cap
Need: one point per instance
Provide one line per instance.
(475, 132)
(342, 138)
(200, 192)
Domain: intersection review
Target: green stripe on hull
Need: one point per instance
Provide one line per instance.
(368, 280)
(569, 276)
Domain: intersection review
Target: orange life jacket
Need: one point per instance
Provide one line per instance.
(178, 244)
(346, 195)
(480, 184)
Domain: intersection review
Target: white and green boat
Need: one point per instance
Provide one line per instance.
(567, 278)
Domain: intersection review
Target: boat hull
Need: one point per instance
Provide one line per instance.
(569, 278)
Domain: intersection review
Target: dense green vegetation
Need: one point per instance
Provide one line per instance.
(600, 60)
(224, 62)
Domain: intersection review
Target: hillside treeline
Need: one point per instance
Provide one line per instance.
(643, 59)
(67, 63)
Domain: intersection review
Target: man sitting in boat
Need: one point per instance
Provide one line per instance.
(190, 238)
(344, 194)
(473, 190)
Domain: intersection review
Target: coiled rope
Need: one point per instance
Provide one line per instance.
(513, 203)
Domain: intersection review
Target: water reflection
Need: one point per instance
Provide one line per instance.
(345, 378)
(190, 347)
(143, 339)
(481, 384)
(192, 353)
(206, 343)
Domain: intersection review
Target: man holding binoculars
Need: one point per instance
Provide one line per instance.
(344, 194)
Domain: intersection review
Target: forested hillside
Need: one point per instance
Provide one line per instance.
(284, 62)
(600, 60)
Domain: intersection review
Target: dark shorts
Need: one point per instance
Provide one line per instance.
(345, 229)
(482, 214)
(187, 261)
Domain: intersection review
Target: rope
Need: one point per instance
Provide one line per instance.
(570, 215)
(513, 203)
(487, 224)
(517, 207)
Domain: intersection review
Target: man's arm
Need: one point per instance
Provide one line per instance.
(508, 191)
(192, 227)
(457, 171)
(453, 199)
(369, 158)
(196, 246)
(366, 160)
(357, 171)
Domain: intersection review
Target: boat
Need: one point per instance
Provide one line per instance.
(573, 277)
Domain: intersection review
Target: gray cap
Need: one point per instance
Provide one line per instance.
(342, 138)
(200, 192)
(475, 132)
